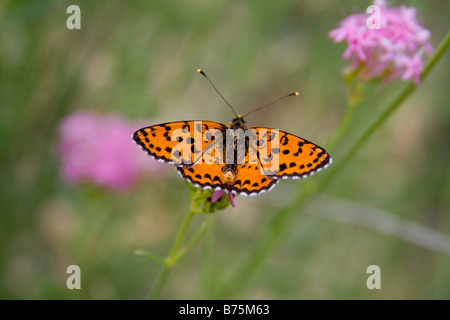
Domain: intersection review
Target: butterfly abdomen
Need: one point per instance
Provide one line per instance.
(229, 173)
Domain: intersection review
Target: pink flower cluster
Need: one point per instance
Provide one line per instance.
(393, 50)
(98, 148)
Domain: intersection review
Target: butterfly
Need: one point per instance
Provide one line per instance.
(234, 158)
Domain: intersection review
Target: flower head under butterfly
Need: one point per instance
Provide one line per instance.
(218, 194)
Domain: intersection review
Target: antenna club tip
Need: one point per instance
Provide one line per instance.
(296, 93)
(201, 72)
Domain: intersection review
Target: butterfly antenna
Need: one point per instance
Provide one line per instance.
(223, 98)
(273, 102)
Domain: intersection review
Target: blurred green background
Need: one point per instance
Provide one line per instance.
(139, 58)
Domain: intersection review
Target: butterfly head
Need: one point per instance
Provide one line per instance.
(238, 122)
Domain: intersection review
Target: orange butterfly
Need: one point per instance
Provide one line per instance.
(233, 159)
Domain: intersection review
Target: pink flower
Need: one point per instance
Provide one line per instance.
(392, 51)
(218, 194)
(413, 67)
(98, 148)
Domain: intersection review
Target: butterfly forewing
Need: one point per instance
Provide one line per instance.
(297, 157)
(180, 143)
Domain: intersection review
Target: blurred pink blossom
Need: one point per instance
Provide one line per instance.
(394, 50)
(98, 148)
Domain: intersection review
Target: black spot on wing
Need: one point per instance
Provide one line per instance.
(193, 150)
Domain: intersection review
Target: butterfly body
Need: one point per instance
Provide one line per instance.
(233, 158)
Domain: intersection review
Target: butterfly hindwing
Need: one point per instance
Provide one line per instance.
(180, 142)
(250, 180)
(204, 175)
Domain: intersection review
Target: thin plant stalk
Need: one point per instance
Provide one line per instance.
(178, 251)
(170, 261)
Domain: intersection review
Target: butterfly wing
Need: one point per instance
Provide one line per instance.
(179, 143)
(296, 157)
(250, 181)
(204, 175)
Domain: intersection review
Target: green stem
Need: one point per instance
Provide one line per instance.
(195, 238)
(149, 256)
(207, 267)
(178, 251)
(280, 223)
(171, 259)
(159, 282)
(354, 98)
(345, 123)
